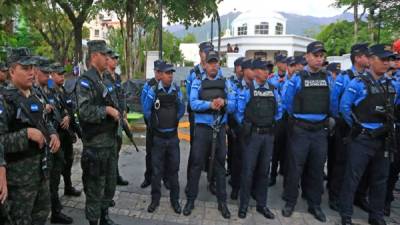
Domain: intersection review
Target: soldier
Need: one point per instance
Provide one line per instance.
(27, 137)
(366, 107)
(197, 71)
(258, 109)
(69, 126)
(359, 58)
(211, 98)
(163, 109)
(307, 103)
(3, 76)
(234, 145)
(99, 122)
(115, 79)
(149, 136)
(60, 119)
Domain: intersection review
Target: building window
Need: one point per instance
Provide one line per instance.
(242, 30)
(279, 29)
(262, 28)
(96, 33)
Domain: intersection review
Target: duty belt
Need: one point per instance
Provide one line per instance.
(310, 126)
(262, 130)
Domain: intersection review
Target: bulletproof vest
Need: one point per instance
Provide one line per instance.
(210, 90)
(373, 108)
(165, 110)
(100, 99)
(196, 70)
(261, 109)
(314, 96)
(55, 100)
(19, 120)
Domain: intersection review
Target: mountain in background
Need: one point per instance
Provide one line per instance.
(296, 24)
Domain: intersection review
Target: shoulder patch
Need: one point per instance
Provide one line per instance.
(85, 83)
(339, 83)
(352, 90)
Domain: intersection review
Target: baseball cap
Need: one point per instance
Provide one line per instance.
(381, 50)
(212, 55)
(98, 46)
(20, 56)
(315, 47)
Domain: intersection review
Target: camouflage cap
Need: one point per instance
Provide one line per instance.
(20, 56)
(98, 46)
(57, 68)
(43, 63)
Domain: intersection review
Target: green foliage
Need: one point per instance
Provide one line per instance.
(338, 37)
(189, 38)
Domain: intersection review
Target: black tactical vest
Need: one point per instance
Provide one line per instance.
(261, 109)
(373, 108)
(165, 110)
(89, 130)
(314, 96)
(20, 121)
(210, 90)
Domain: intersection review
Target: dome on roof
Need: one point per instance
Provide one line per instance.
(259, 22)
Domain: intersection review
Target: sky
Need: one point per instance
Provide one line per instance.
(318, 8)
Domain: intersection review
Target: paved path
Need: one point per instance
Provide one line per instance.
(132, 201)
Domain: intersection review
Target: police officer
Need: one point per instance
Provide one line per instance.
(365, 107)
(163, 109)
(278, 79)
(259, 107)
(25, 145)
(395, 165)
(115, 79)
(99, 122)
(307, 102)
(234, 145)
(359, 58)
(211, 98)
(196, 72)
(149, 136)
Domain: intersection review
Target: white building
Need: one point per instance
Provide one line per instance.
(101, 25)
(261, 34)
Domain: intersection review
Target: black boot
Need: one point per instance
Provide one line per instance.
(242, 212)
(223, 208)
(121, 181)
(145, 183)
(71, 191)
(60, 218)
(93, 222)
(153, 206)
(188, 207)
(105, 219)
(362, 203)
(176, 206)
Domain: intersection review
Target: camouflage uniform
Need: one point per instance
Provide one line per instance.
(28, 189)
(119, 99)
(99, 156)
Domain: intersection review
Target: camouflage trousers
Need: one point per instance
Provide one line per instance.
(29, 204)
(55, 176)
(99, 169)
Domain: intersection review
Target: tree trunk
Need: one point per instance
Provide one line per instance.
(371, 24)
(78, 42)
(356, 21)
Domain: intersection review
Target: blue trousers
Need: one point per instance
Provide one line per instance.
(365, 152)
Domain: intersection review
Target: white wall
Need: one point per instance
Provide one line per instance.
(344, 60)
